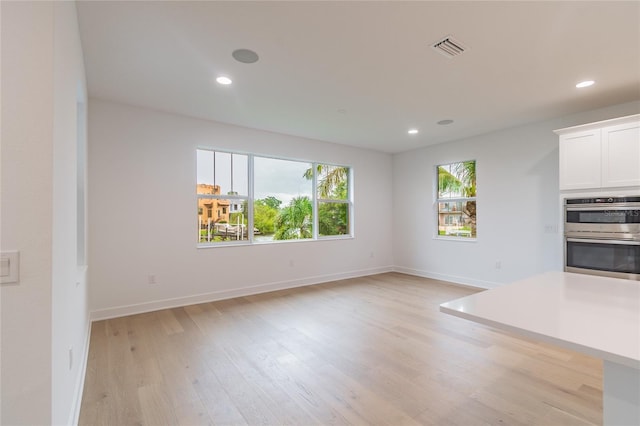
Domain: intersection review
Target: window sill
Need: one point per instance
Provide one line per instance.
(463, 239)
(263, 243)
(218, 245)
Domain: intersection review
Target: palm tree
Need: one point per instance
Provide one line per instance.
(461, 179)
(328, 178)
(294, 221)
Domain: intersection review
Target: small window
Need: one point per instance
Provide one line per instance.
(222, 179)
(332, 189)
(457, 207)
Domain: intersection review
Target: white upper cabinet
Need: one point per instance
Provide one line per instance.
(621, 155)
(605, 154)
(580, 163)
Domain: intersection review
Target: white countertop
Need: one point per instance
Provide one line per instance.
(594, 315)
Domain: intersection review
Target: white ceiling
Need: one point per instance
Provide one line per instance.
(363, 73)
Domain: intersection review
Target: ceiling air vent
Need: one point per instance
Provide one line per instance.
(449, 47)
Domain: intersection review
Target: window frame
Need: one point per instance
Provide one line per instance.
(318, 200)
(250, 199)
(439, 200)
(230, 198)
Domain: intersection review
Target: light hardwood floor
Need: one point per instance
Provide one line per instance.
(373, 350)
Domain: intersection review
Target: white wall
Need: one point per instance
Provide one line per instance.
(518, 199)
(142, 210)
(27, 121)
(45, 313)
(70, 313)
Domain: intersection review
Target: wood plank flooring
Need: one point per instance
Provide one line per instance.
(365, 351)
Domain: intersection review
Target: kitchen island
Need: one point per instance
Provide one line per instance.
(593, 315)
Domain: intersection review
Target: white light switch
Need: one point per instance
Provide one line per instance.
(9, 267)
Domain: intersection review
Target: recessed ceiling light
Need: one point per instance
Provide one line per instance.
(586, 83)
(224, 80)
(445, 122)
(245, 56)
(413, 131)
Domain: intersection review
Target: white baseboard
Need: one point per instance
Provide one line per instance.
(465, 281)
(79, 388)
(140, 308)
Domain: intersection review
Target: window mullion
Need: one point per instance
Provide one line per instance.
(329, 200)
(453, 200)
(314, 197)
(250, 200)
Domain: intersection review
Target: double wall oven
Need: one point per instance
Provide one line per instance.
(602, 236)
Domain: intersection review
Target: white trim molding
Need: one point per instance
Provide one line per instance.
(139, 308)
(452, 279)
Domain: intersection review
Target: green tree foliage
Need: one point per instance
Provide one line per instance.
(265, 213)
(332, 184)
(295, 221)
(333, 218)
(272, 202)
(234, 218)
(461, 180)
(328, 178)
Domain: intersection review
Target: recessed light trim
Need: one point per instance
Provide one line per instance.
(413, 131)
(445, 122)
(225, 81)
(245, 56)
(585, 83)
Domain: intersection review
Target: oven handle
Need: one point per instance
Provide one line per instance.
(604, 241)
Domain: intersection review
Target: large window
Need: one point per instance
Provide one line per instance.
(262, 199)
(457, 207)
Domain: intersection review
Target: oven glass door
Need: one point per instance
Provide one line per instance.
(607, 256)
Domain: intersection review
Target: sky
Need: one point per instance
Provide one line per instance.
(282, 179)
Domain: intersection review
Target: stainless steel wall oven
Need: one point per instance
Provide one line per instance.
(602, 236)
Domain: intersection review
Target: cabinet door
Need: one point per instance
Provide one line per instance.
(580, 160)
(621, 155)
